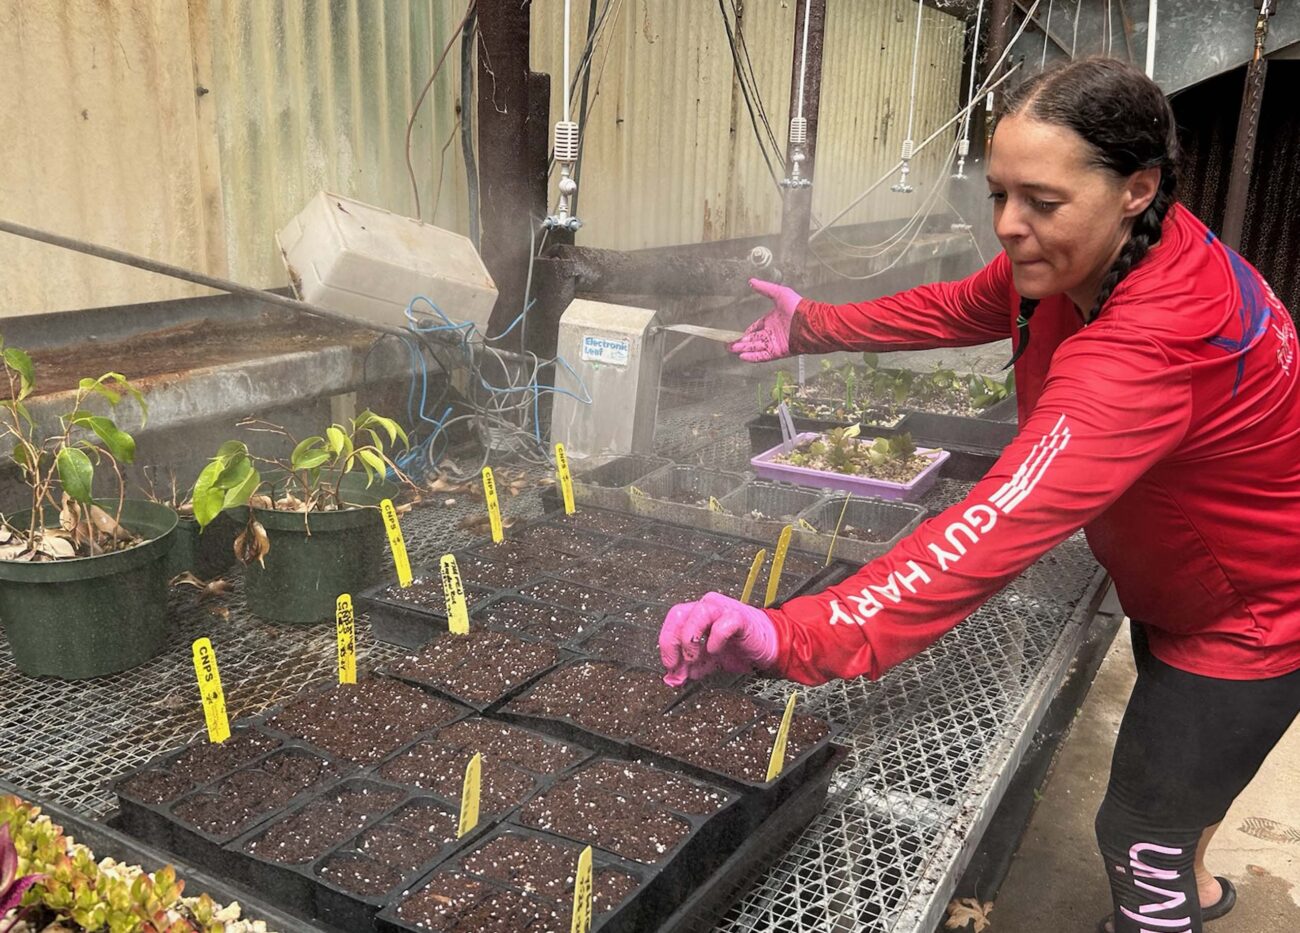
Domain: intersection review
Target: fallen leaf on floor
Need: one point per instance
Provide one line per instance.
(221, 612)
(206, 588)
(966, 910)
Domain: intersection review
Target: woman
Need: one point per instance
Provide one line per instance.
(1159, 410)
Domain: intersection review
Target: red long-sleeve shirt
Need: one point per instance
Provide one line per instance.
(1169, 429)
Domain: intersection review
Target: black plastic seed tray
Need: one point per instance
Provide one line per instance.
(572, 595)
(353, 911)
(489, 864)
(611, 805)
(291, 884)
(144, 792)
(402, 618)
(953, 431)
(574, 682)
(685, 537)
(205, 848)
(356, 741)
(456, 743)
(481, 669)
(749, 741)
(619, 640)
(860, 529)
(702, 909)
(560, 626)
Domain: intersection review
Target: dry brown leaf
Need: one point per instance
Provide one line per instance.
(107, 525)
(290, 503)
(252, 543)
(221, 612)
(185, 508)
(441, 483)
(546, 481)
(5, 534)
(474, 522)
(260, 501)
(404, 508)
(59, 548)
(967, 910)
(206, 588)
(15, 551)
(70, 514)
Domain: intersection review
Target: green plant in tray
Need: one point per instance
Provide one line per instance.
(841, 451)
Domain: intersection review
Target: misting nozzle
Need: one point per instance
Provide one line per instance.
(963, 150)
(902, 186)
(798, 140)
(566, 141)
(798, 131)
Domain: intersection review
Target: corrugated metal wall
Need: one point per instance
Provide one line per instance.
(669, 153)
(192, 132)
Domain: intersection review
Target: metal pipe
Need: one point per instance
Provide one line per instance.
(801, 151)
(189, 275)
(1151, 38)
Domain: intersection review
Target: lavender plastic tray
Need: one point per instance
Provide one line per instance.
(857, 485)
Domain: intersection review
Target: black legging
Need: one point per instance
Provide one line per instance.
(1187, 747)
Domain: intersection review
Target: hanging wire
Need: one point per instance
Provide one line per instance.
(909, 143)
(963, 144)
(1074, 40)
(1047, 34)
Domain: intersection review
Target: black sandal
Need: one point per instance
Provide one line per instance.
(1227, 900)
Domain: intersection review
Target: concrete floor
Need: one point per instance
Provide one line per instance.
(1056, 883)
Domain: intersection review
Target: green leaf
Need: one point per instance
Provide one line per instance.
(376, 439)
(304, 451)
(120, 444)
(373, 461)
(240, 494)
(21, 363)
(228, 452)
(234, 473)
(337, 439)
(94, 385)
(871, 360)
(208, 497)
(131, 390)
(76, 473)
(311, 460)
(20, 409)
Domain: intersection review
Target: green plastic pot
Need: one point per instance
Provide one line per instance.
(206, 555)
(90, 616)
(346, 552)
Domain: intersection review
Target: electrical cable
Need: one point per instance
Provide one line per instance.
(744, 91)
(1074, 39)
(410, 123)
(468, 58)
(1047, 34)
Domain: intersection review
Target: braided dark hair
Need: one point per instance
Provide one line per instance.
(1125, 119)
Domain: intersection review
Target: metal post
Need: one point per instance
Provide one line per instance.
(796, 214)
(506, 181)
(1243, 151)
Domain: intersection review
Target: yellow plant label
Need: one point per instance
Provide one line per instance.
(453, 594)
(469, 795)
(396, 543)
(714, 504)
(566, 478)
(635, 491)
(754, 570)
(494, 507)
(345, 625)
(214, 700)
(805, 525)
(778, 564)
(777, 762)
(582, 894)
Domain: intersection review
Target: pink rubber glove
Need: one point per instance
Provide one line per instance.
(768, 338)
(716, 633)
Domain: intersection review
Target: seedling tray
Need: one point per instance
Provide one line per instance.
(207, 848)
(406, 623)
(619, 917)
(397, 768)
(585, 733)
(888, 521)
(857, 485)
(446, 667)
(775, 501)
(703, 907)
(765, 429)
(347, 910)
(292, 884)
(548, 623)
(606, 485)
(954, 431)
(657, 495)
(144, 814)
(677, 866)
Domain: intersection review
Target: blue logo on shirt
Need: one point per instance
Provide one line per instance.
(1254, 312)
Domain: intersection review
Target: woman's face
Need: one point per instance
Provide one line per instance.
(1061, 219)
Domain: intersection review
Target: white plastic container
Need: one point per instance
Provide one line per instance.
(369, 263)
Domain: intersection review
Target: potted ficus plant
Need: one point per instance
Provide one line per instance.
(311, 526)
(83, 580)
(205, 555)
